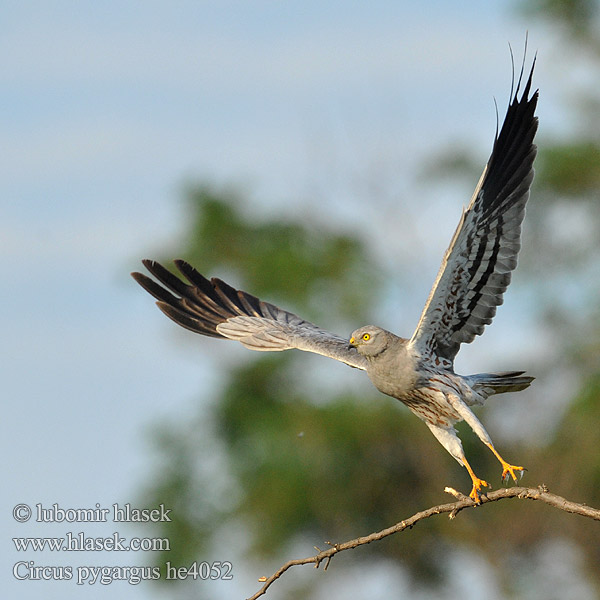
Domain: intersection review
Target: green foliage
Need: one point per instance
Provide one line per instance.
(307, 468)
(571, 169)
(577, 16)
(192, 518)
(578, 440)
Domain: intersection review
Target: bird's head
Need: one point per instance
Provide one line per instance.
(369, 340)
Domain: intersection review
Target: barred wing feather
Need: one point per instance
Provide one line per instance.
(477, 266)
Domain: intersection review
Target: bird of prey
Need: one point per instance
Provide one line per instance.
(418, 371)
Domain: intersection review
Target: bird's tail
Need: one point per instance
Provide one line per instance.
(500, 383)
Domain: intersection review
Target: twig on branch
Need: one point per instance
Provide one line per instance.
(453, 508)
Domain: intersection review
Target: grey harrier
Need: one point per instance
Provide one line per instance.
(418, 371)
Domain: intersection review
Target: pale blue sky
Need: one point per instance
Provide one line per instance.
(107, 110)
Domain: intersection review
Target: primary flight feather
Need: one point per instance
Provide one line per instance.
(475, 273)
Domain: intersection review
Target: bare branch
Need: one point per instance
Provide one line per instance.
(453, 508)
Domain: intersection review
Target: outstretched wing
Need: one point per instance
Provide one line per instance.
(476, 268)
(214, 308)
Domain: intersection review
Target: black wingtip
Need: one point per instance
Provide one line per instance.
(182, 264)
(527, 89)
(528, 83)
(139, 277)
(187, 321)
(202, 304)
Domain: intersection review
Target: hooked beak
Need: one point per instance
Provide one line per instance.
(352, 343)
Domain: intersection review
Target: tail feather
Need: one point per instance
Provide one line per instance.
(500, 383)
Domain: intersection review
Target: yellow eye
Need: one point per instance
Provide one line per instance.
(366, 337)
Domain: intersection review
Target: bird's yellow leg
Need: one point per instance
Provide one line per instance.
(507, 469)
(477, 483)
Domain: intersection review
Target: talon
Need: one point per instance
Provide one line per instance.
(507, 469)
(511, 470)
(477, 485)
